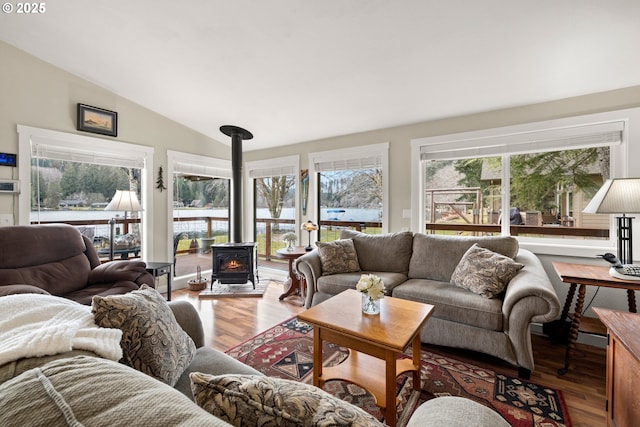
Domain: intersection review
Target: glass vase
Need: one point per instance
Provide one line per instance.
(369, 305)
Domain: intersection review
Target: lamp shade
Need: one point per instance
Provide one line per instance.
(124, 200)
(621, 195)
(309, 226)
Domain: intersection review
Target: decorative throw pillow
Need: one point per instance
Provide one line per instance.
(339, 256)
(484, 272)
(152, 340)
(251, 400)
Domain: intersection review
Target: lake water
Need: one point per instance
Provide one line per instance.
(347, 214)
(287, 213)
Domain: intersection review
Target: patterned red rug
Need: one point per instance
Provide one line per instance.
(286, 351)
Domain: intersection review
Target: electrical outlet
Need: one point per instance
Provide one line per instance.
(6, 220)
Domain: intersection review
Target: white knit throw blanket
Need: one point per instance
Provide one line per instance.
(33, 325)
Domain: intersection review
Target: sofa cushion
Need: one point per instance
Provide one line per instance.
(213, 362)
(85, 295)
(152, 340)
(247, 400)
(21, 289)
(16, 367)
(62, 242)
(95, 392)
(453, 303)
(338, 256)
(57, 277)
(333, 284)
(454, 411)
(436, 256)
(382, 252)
(484, 272)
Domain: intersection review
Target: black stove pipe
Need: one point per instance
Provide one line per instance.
(237, 135)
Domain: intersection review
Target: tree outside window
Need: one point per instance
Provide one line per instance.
(350, 199)
(547, 189)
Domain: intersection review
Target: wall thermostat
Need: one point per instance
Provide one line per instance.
(7, 159)
(9, 186)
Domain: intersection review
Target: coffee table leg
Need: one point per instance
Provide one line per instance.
(317, 356)
(390, 414)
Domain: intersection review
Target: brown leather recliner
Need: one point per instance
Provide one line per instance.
(57, 259)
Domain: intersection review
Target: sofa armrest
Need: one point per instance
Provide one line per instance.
(311, 267)
(531, 281)
(118, 271)
(529, 297)
(189, 320)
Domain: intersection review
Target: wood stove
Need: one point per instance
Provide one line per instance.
(234, 263)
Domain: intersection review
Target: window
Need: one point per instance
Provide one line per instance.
(73, 177)
(199, 209)
(531, 181)
(351, 189)
(274, 184)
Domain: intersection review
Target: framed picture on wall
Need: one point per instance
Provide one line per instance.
(97, 120)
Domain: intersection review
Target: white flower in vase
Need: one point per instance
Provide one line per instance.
(290, 238)
(372, 289)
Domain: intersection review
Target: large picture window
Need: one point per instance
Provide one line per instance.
(275, 183)
(199, 209)
(530, 181)
(351, 190)
(71, 180)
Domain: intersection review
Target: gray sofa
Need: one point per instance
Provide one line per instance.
(80, 388)
(419, 267)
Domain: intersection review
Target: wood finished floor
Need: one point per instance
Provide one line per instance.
(231, 321)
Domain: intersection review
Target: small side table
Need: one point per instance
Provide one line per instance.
(294, 284)
(159, 269)
(587, 275)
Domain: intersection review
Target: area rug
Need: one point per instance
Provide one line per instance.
(286, 351)
(219, 290)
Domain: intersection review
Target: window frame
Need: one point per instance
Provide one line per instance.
(276, 166)
(204, 166)
(27, 136)
(343, 155)
(483, 144)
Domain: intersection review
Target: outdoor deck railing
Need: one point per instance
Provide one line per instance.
(199, 227)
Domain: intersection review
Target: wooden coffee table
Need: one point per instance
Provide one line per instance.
(374, 342)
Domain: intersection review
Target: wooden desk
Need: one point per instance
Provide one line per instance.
(374, 342)
(587, 275)
(294, 284)
(623, 366)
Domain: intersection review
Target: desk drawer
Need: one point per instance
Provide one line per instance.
(163, 270)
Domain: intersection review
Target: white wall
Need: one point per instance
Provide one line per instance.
(37, 94)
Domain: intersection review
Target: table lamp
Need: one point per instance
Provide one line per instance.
(123, 200)
(619, 196)
(309, 226)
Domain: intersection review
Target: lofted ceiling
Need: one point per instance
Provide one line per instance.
(300, 70)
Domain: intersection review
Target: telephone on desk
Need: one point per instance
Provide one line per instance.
(622, 271)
